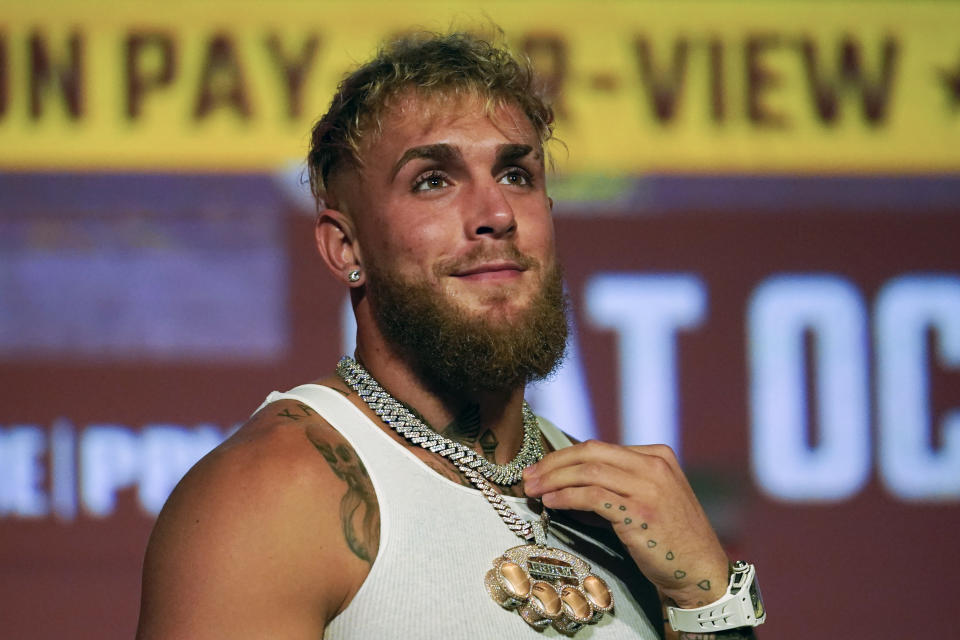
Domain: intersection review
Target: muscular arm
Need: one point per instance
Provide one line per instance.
(359, 515)
(268, 536)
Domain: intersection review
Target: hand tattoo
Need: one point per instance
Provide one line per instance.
(678, 574)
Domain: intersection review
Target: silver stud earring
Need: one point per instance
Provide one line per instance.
(354, 275)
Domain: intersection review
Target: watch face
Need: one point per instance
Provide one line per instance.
(755, 598)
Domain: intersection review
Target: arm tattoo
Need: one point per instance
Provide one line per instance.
(302, 411)
(359, 512)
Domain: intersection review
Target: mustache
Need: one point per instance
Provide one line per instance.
(483, 254)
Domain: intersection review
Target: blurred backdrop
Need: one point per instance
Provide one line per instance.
(758, 206)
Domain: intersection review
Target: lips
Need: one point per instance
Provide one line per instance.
(489, 268)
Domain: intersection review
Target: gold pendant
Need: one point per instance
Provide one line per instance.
(548, 586)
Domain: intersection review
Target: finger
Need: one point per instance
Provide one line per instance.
(666, 455)
(581, 475)
(607, 504)
(662, 451)
(591, 450)
(624, 457)
(652, 462)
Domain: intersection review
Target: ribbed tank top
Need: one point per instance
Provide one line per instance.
(437, 541)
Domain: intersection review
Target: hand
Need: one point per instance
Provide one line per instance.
(644, 494)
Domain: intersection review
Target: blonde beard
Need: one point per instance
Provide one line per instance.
(455, 350)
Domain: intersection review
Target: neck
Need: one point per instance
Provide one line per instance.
(491, 422)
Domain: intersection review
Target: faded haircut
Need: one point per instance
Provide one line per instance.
(432, 65)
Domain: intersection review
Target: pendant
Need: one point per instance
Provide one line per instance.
(548, 586)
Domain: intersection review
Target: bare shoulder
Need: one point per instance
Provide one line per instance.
(269, 535)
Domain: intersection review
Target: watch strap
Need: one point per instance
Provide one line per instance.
(740, 606)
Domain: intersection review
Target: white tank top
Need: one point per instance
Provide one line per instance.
(438, 539)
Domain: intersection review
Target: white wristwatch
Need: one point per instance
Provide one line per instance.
(740, 606)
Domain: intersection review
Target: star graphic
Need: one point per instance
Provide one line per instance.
(951, 84)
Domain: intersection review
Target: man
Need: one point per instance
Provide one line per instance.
(318, 516)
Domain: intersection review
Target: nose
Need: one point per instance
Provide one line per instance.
(491, 215)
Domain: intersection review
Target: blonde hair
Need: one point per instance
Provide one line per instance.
(430, 64)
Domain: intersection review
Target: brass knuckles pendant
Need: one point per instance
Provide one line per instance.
(548, 586)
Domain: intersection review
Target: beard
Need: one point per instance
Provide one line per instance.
(453, 349)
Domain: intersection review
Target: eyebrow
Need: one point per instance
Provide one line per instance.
(509, 153)
(439, 152)
(446, 153)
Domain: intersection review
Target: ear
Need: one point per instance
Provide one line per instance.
(337, 243)
(550, 200)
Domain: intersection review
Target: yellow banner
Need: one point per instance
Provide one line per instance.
(640, 86)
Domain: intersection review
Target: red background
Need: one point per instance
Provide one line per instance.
(868, 566)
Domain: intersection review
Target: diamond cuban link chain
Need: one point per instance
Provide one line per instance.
(476, 468)
(416, 431)
(543, 584)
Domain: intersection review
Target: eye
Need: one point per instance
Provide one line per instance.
(430, 181)
(516, 176)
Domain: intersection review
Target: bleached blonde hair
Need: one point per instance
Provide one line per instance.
(432, 65)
